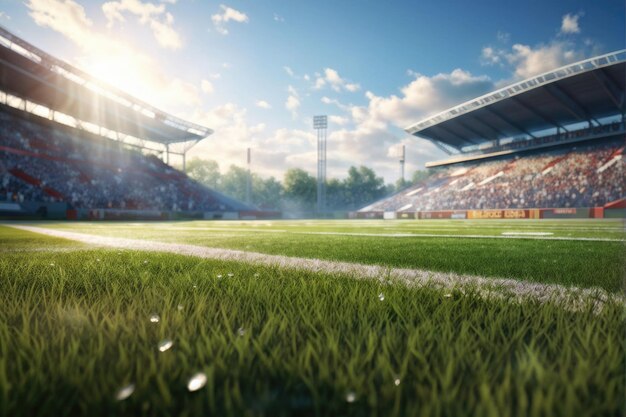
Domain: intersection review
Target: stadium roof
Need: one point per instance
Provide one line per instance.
(31, 74)
(581, 92)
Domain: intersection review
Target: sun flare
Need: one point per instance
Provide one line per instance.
(126, 71)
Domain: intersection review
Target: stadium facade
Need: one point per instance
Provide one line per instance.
(548, 146)
(73, 146)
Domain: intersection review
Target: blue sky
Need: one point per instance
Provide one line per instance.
(257, 71)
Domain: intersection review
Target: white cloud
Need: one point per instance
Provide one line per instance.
(207, 86)
(525, 61)
(490, 56)
(338, 120)
(215, 76)
(569, 24)
(528, 61)
(165, 35)
(107, 58)
(293, 101)
(289, 71)
(64, 16)
(224, 115)
(278, 18)
(503, 37)
(155, 16)
(426, 95)
(332, 78)
(4, 16)
(263, 104)
(228, 14)
(327, 100)
(292, 104)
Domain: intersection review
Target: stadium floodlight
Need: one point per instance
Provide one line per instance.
(320, 123)
(402, 159)
(249, 178)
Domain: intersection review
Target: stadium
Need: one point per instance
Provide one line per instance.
(550, 146)
(494, 286)
(74, 148)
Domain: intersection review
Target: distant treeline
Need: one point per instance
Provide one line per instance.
(297, 191)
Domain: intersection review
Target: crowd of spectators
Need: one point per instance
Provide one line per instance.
(42, 161)
(589, 175)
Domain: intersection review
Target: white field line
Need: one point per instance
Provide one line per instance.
(527, 233)
(500, 288)
(526, 236)
(590, 239)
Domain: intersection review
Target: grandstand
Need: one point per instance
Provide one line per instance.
(549, 146)
(72, 146)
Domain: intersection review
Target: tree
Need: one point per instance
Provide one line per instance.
(419, 176)
(389, 190)
(401, 184)
(335, 194)
(205, 171)
(300, 189)
(234, 183)
(363, 187)
(266, 193)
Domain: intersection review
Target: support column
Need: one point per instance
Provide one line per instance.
(249, 179)
(320, 123)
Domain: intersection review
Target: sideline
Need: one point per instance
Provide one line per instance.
(572, 298)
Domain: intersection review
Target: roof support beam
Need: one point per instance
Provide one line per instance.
(499, 134)
(538, 114)
(444, 147)
(451, 133)
(611, 87)
(508, 122)
(474, 131)
(574, 107)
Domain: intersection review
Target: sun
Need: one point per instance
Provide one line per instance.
(127, 71)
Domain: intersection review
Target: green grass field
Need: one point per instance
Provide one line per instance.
(75, 322)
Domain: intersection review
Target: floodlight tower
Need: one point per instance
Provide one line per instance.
(402, 159)
(249, 178)
(320, 124)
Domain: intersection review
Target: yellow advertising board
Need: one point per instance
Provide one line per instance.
(497, 214)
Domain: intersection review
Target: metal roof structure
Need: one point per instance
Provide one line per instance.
(584, 91)
(31, 74)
